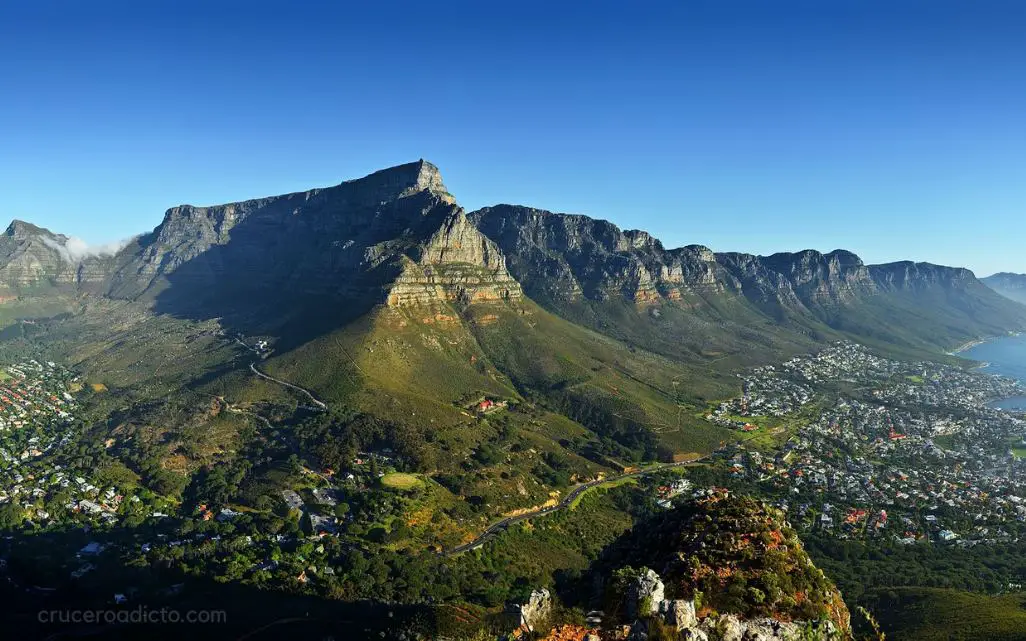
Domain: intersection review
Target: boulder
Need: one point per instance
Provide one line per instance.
(729, 628)
(771, 630)
(678, 613)
(534, 611)
(644, 595)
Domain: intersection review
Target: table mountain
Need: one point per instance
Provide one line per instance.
(395, 236)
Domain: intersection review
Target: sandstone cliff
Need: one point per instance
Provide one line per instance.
(395, 236)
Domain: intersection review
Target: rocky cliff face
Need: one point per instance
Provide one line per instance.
(800, 283)
(32, 257)
(907, 275)
(565, 257)
(395, 236)
(561, 256)
(457, 264)
(1008, 285)
(582, 268)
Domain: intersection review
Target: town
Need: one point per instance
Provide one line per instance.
(909, 451)
(849, 444)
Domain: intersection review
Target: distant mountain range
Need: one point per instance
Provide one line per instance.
(398, 238)
(1009, 285)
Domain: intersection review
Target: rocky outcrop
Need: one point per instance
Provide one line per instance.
(644, 595)
(678, 613)
(702, 549)
(565, 257)
(457, 264)
(644, 605)
(536, 610)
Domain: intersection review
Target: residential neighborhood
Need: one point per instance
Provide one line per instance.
(909, 451)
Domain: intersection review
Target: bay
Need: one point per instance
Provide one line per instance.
(1005, 356)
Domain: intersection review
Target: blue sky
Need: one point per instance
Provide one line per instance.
(895, 129)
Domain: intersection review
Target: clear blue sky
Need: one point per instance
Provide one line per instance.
(896, 129)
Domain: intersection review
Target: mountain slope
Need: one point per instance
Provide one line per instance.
(691, 302)
(939, 614)
(1009, 285)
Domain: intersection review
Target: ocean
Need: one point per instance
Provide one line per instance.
(1005, 356)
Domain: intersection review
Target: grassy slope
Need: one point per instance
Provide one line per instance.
(721, 331)
(936, 614)
(580, 370)
(930, 320)
(428, 365)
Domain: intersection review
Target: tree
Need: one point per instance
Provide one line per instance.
(342, 510)
(11, 516)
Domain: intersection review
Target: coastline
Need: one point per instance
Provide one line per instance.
(969, 345)
(980, 341)
(981, 365)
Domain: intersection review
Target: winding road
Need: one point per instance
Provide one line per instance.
(567, 501)
(302, 390)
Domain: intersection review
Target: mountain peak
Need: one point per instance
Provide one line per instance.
(412, 177)
(21, 229)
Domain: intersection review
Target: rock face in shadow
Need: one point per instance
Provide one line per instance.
(349, 241)
(563, 256)
(31, 256)
(395, 237)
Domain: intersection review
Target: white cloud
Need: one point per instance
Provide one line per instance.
(75, 250)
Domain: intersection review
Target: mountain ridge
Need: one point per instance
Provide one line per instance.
(398, 237)
(1008, 284)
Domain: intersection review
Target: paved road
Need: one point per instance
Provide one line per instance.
(501, 526)
(302, 390)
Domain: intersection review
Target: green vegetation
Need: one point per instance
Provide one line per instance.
(601, 487)
(733, 552)
(936, 614)
(860, 567)
(401, 481)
